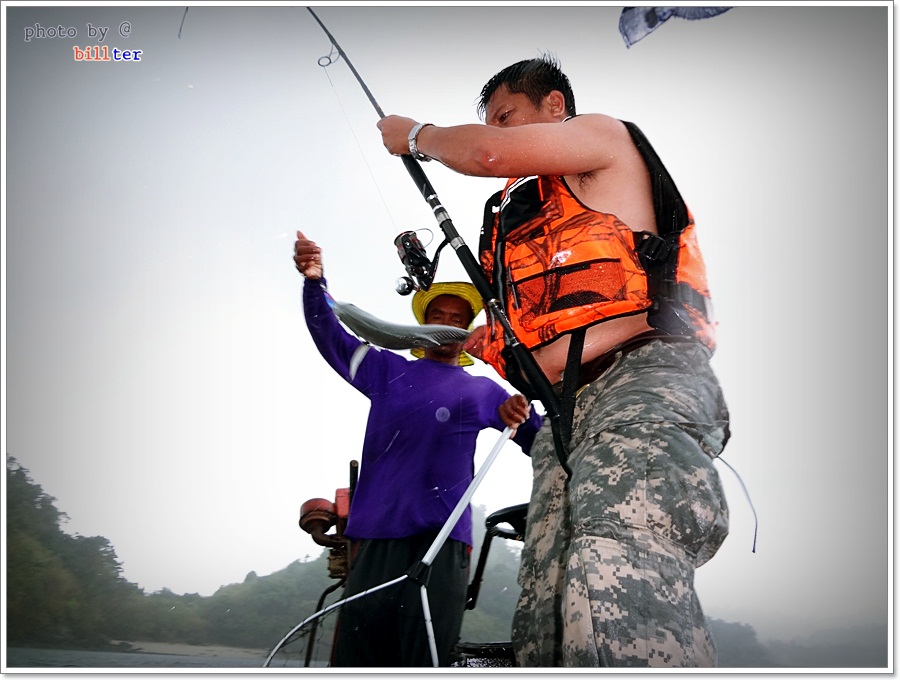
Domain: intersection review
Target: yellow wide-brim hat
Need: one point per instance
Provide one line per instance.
(461, 289)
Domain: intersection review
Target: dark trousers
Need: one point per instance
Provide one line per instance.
(387, 627)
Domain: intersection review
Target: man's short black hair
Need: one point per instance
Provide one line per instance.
(535, 78)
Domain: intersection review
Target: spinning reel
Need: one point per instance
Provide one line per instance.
(419, 269)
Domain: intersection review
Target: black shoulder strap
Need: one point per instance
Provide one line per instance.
(669, 207)
(491, 207)
(659, 253)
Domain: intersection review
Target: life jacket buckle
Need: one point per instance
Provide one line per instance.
(652, 247)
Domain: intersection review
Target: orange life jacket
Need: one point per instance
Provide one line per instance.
(557, 266)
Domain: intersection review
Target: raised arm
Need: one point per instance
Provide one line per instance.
(340, 349)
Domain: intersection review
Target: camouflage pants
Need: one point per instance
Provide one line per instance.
(607, 570)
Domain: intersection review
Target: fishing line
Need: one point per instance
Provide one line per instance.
(325, 62)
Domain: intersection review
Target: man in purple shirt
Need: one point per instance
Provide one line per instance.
(417, 461)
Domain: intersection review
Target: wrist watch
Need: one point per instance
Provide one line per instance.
(413, 149)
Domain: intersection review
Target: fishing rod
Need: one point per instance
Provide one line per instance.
(534, 376)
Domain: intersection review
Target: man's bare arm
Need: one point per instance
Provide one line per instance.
(584, 144)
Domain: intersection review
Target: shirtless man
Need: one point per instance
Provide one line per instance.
(610, 551)
(594, 153)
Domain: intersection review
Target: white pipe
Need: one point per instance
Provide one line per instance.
(441, 538)
(429, 627)
(466, 497)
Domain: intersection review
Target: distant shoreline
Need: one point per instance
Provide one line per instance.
(180, 649)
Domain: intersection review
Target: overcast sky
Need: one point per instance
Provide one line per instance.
(160, 382)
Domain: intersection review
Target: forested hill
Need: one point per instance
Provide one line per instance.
(68, 591)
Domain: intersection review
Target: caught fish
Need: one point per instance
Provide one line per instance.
(395, 336)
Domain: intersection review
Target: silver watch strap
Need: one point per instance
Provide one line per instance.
(413, 148)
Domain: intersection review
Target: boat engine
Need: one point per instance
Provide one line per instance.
(319, 515)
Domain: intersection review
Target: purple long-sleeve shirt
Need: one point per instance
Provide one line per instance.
(419, 445)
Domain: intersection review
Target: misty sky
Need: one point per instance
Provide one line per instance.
(159, 379)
